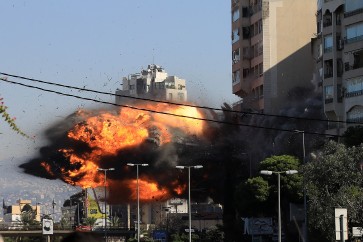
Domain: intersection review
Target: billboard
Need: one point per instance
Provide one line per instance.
(47, 226)
(95, 202)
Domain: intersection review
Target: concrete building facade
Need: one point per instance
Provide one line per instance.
(13, 213)
(153, 83)
(271, 51)
(340, 61)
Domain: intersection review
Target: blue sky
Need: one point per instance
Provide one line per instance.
(96, 43)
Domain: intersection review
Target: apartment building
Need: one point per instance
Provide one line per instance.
(13, 213)
(271, 51)
(340, 61)
(153, 83)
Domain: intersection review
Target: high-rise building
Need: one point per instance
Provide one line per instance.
(340, 60)
(271, 51)
(153, 83)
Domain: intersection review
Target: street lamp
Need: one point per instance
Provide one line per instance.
(189, 201)
(288, 172)
(138, 197)
(105, 170)
(305, 201)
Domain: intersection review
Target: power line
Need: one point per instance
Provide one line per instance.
(179, 104)
(166, 113)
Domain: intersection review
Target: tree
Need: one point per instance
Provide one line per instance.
(9, 119)
(250, 196)
(257, 195)
(333, 179)
(353, 136)
(28, 216)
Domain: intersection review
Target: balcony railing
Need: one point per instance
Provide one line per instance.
(355, 39)
(355, 120)
(328, 100)
(354, 12)
(354, 94)
(328, 75)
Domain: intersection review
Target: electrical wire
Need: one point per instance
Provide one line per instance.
(179, 104)
(166, 113)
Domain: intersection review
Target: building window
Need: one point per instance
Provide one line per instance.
(354, 86)
(246, 53)
(260, 26)
(246, 72)
(328, 43)
(236, 56)
(181, 96)
(252, 30)
(351, 5)
(259, 47)
(328, 69)
(355, 114)
(328, 94)
(260, 69)
(236, 78)
(245, 12)
(354, 32)
(246, 32)
(235, 15)
(235, 35)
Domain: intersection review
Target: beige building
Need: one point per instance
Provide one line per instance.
(153, 83)
(340, 60)
(12, 213)
(271, 51)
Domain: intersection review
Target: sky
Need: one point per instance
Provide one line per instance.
(93, 44)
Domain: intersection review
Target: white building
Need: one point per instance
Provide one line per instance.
(153, 83)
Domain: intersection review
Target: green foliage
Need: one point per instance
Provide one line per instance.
(11, 121)
(256, 196)
(90, 221)
(334, 179)
(353, 136)
(183, 237)
(214, 235)
(291, 185)
(250, 195)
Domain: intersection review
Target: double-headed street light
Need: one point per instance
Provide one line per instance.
(105, 170)
(288, 172)
(138, 197)
(189, 202)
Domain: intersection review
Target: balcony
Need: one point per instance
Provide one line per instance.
(355, 120)
(354, 12)
(354, 94)
(328, 100)
(352, 40)
(328, 75)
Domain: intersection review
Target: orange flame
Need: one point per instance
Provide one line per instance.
(148, 190)
(108, 133)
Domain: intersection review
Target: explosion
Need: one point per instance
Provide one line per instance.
(112, 138)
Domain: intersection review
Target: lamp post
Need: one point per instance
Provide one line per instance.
(305, 201)
(105, 170)
(288, 172)
(189, 201)
(138, 197)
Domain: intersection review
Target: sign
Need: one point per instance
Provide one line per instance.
(95, 207)
(258, 226)
(357, 231)
(338, 213)
(47, 226)
(187, 230)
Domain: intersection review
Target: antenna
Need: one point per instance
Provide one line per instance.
(153, 56)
